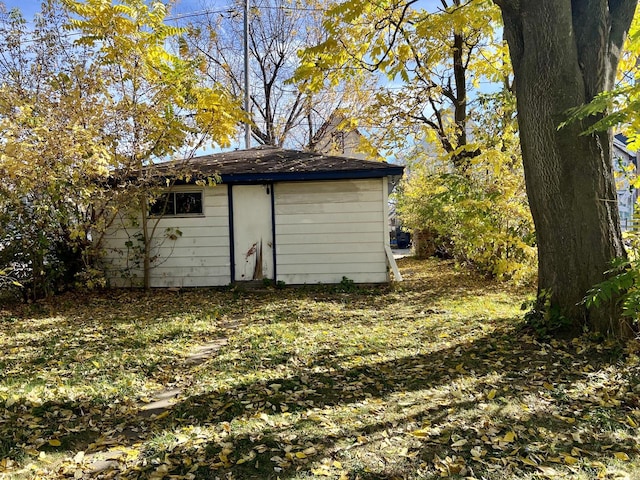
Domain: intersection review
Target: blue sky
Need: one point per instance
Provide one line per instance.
(29, 7)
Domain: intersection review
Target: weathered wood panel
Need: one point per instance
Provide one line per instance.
(252, 232)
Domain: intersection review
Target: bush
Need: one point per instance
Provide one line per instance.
(479, 217)
(623, 286)
(36, 251)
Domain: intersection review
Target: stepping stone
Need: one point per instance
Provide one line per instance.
(204, 352)
(100, 462)
(165, 400)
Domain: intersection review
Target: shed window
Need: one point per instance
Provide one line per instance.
(177, 203)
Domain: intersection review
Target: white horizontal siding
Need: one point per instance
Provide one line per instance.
(193, 252)
(332, 259)
(191, 222)
(324, 231)
(347, 269)
(329, 230)
(315, 198)
(177, 262)
(187, 282)
(197, 257)
(313, 278)
(330, 248)
(206, 227)
(166, 272)
(327, 238)
(214, 240)
(370, 217)
(341, 207)
(337, 226)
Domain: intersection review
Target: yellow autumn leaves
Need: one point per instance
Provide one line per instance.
(110, 97)
(434, 378)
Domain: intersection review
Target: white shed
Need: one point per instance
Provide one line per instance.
(282, 215)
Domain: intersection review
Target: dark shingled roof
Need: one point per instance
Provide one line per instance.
(269, 164)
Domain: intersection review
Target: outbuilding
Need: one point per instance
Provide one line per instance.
(273, 215)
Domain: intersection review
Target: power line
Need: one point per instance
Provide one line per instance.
(295, 9)
(199, 13)
(234, 11)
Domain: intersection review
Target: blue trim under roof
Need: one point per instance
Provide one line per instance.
(307, 176)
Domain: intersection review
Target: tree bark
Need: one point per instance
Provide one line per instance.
(146, 235)
(564, 52)
(460, 161)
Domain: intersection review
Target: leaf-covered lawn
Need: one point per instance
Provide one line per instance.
(433, 377)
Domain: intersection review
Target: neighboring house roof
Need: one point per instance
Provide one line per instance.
(269, 164)
(622, 138)
(324, 131)
(331, 140)
(621, 141)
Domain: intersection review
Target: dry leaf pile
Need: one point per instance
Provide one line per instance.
(435, 377)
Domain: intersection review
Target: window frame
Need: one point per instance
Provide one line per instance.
(174, 202)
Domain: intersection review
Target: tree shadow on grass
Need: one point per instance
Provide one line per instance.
(516, 371)
(378, 416)
(329, 411)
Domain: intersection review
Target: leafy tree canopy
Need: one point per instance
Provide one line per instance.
(74, 109)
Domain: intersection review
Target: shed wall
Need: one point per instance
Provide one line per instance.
(329, 230)
(324, 231)
(197, 257)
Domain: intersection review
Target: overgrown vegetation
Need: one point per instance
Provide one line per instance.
(464, 184)
(623, 284)
(480, 217)
(88, 90)
(436, 376)
(481, 222)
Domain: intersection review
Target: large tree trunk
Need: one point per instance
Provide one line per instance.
(564, 52)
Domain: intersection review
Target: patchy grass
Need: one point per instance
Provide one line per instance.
(429, 378)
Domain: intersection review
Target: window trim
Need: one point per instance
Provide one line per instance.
(179, 215)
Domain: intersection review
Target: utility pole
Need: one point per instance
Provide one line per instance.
(247, 126)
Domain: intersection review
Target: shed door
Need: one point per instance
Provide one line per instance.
(252, 232)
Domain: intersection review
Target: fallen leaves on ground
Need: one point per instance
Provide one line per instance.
(434, 377)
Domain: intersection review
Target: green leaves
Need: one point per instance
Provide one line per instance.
(622, 283)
